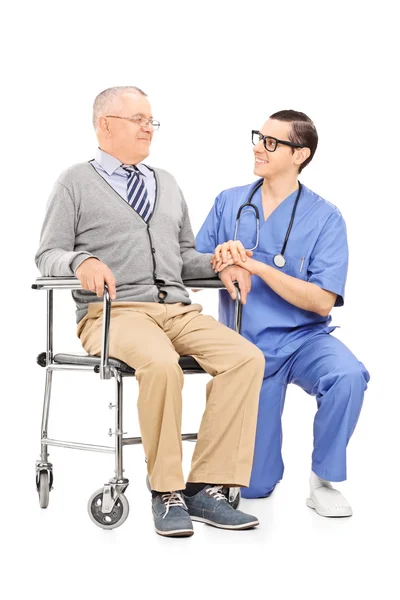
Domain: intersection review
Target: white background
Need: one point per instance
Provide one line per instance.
(213, 71)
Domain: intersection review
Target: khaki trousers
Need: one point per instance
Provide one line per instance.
(150, 337)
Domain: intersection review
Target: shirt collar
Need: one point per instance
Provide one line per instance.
(110, 163)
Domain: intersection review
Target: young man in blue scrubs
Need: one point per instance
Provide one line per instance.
(293, 245)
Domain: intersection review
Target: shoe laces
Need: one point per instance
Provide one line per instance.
(172, 499)
(215, 492)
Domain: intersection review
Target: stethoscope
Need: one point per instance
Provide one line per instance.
(279, 259)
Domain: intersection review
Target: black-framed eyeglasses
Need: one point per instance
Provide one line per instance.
(270, 143)
(138, 120)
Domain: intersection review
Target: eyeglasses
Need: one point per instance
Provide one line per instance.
(138, 120)
(270, 143)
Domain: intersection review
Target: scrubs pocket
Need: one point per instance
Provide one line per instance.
(296, 266)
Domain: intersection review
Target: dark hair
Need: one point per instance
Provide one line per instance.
(302, 131)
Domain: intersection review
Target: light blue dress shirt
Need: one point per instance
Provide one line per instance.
(110, 169)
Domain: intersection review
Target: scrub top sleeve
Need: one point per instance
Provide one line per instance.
(330, 256)
(207, 238)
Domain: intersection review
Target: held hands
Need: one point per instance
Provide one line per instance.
(93, 274)
(229, 253)
(233, 252)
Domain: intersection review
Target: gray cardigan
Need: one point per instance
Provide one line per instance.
(86, 217)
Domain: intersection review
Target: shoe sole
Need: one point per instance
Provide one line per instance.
(221, 526)
(311, 504)
(176, 533)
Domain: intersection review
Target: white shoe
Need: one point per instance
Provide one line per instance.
(327, 501)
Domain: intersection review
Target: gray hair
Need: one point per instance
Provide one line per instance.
(107, 98)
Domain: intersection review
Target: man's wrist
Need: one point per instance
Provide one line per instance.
(262, 270)
(79, 260)
(224, 269)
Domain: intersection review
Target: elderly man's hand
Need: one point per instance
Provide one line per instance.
(242, 276)
(93, 274)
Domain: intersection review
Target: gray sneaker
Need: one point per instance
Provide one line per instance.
(211, 506)
(171, 517)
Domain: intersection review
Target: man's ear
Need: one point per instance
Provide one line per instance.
(301, 155)
(103, 125)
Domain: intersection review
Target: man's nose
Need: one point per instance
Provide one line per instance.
(259, 148)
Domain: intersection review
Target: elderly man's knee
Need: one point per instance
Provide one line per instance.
(254, 356)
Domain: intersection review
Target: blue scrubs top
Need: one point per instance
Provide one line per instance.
(317, 252)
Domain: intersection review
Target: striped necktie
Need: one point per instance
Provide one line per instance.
(136, 193)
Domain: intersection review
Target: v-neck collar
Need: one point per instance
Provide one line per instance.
(129, 207)
(258, 201)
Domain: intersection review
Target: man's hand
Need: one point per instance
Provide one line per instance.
(229, 253)
(93, 274)
(243, 277)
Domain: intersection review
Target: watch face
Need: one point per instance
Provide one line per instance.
(279, 260)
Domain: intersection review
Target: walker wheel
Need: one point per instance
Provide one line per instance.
(113, 519)
(43, 488)
(232, 495)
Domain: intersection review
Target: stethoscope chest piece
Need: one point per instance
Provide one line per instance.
(279, 260)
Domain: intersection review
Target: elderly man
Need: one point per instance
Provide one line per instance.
(115, 221)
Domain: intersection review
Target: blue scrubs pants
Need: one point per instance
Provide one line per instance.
(325, 368)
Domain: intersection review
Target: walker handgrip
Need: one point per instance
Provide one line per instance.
(105, 371)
